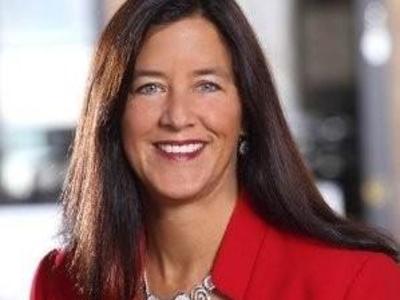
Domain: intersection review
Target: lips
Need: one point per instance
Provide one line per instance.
(180, 150)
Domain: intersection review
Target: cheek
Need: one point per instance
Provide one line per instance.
(224, 117)
(137, 120)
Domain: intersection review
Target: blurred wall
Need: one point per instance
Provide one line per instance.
(394, 8)
(378, 77)
(45, 48)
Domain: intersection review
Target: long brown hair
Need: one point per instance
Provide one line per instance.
(101, 200)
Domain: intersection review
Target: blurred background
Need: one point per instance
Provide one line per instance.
(336, 64)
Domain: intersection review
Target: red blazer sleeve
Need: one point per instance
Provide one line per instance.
(52, 280)
(41, 279)
(377, 278)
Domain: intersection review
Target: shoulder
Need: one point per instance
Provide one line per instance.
(257, 260)
(309, 264)
(52, 279)
(377, 277)
(316, 255)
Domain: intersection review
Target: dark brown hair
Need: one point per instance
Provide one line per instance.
(102, 206)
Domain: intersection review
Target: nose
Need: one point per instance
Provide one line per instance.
(177, 113)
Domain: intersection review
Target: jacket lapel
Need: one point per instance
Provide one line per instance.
(238, 251)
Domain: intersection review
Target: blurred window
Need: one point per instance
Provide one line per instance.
(45, 48)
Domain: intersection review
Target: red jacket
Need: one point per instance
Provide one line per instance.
(258, 261)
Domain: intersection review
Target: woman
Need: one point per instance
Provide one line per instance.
(185, 182)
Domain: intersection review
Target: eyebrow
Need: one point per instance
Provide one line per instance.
(212, 71)
(148, 73)
(200, 72)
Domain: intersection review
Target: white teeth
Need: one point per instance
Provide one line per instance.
(189, 148)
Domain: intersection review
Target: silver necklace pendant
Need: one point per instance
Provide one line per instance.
(201, 291)
(200, 294)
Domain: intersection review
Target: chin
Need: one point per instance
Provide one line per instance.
(176, 186)
(179, 193)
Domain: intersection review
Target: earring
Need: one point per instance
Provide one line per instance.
(243, 145)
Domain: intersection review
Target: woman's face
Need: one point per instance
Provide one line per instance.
(182, 120)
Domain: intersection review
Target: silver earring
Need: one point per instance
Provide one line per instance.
(243, 145)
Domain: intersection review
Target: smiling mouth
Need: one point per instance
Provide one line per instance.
(180, 150)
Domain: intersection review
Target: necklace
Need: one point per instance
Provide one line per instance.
(200, 291)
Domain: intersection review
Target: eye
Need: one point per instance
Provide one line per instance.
(149, 89)
(208, 87)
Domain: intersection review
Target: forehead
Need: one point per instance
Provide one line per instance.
(192, 42)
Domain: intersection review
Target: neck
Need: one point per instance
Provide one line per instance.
(182, 240)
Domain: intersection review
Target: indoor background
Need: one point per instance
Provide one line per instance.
(336, 64)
